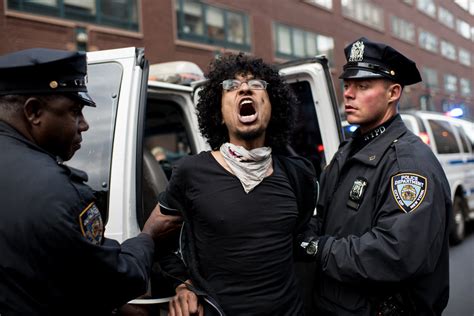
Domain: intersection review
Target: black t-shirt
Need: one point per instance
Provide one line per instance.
(243, 241)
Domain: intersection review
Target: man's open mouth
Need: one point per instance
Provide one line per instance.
(247, 113)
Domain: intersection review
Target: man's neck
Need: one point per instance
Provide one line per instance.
(248, 144)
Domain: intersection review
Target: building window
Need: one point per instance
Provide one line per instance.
(448, 50)
(428, 41)
(446, 17)
(115, 13)
(463, 4)
(365, 12)
(430, 78)
(292, 42)
(428, 7)
(464, 57)
(463, 28)
(465, 85)
(321, 3)
(403, 29)
(199, 22)
(450, 83)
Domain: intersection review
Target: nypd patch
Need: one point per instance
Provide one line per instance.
(91, 224)
(409, 190)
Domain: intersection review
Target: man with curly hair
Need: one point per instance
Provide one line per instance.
(244, 203)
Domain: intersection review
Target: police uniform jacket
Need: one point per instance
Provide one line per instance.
(54, 259)
(386, 211)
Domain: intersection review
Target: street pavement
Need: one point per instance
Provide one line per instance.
(461, 261)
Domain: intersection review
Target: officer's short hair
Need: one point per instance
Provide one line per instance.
(12, 103)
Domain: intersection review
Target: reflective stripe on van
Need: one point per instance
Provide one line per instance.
(459, 161)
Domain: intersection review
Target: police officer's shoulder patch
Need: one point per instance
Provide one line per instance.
(91, 224)
(408, 190)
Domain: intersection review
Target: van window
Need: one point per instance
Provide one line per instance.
(166, 135)
(462, 135)
(95, 156)
(306, 138)
(444, 137)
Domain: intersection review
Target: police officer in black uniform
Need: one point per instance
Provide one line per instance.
(54, 257)
(385, 201)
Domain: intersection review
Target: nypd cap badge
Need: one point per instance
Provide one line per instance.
(409, 190)
(357, 52)
(91, 224)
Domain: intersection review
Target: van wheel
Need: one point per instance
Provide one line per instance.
(458, 229)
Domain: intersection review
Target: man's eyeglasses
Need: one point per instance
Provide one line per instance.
(234, 84)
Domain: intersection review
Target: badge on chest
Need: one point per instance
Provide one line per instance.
(357, 192)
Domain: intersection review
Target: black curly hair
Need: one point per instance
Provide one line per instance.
(282, 100)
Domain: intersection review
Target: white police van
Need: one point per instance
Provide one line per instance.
(135, 117)
(452, 142)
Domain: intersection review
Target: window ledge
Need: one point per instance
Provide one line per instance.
(72, 24)
(207, 47)
(40, 18)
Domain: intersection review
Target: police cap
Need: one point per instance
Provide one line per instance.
(45, 71)
(367, 59)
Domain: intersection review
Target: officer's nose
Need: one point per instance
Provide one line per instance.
(83, 125)
(348, 91)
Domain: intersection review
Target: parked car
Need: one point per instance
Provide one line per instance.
(136, 117)
(449, 140)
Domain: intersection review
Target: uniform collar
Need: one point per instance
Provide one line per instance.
(8, 130)
(374, 150)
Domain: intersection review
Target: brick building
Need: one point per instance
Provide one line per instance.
(438, 35)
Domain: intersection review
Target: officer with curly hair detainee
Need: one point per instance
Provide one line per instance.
(385, 201)
(244, 203)
(54, 257)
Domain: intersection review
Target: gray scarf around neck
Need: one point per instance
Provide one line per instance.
(249, 166)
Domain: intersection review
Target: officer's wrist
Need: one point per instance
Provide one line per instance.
(310, 246)
(321, 242)
(313, 247)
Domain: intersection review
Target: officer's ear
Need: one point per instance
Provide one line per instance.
(33, 108)
(394, 92)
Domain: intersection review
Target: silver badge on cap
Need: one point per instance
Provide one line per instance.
(357, 52)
